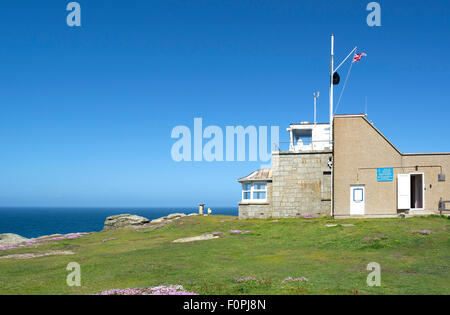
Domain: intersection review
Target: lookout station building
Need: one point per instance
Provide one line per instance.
(360, 174)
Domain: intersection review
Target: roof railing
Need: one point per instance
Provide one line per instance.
(303, 146)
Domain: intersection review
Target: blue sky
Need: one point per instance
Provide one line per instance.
(87, 113)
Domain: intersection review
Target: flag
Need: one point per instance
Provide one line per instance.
(336, 78)
(358, 57)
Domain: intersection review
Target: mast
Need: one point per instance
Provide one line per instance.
(331, 119)
(316, 96)
(331, 88)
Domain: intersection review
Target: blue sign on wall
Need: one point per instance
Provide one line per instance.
(385, 174)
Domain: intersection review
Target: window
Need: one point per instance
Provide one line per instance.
(246, 191)
(259, 191)
(254, 191)
(358, 195)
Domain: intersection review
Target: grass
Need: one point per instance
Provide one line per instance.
(334, 259)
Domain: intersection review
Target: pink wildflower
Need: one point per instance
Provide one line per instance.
(159, 290)
(247, 279)
(295, 279)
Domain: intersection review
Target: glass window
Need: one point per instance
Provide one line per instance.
(260, 186)
(358, 195)
(259, 195)
(254, 191)
(247, 191)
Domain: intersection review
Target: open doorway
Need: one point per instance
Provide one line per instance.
(417, 186)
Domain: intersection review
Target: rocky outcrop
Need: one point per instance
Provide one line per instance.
(12, 239)
(204, 237)
(158, 221)
(170, 217)
(37, 255)
(175, 216)
(124, 221)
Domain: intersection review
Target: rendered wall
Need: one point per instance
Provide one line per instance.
(360, 149)
(252, 210)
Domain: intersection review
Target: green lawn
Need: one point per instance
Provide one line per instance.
(334, 259)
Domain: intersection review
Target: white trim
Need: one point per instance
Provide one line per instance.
(247, 191)
(423, 191)
(253, 190)
(410, 187)
(403, 191)
(357, 207)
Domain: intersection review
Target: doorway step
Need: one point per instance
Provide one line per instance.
(419, 213)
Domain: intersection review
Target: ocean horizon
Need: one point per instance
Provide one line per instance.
(32, 222)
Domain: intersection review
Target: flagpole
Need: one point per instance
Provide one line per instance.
(331, 87)
(332, 117)
(332, 144)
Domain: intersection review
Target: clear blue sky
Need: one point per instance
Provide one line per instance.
(87, 113)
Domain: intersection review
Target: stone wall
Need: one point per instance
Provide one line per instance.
(257, 210)
(301, 184)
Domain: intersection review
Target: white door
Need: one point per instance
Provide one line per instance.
(404, 191)
(357, 200)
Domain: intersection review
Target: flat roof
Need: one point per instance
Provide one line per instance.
(350, 115)
(308, 124)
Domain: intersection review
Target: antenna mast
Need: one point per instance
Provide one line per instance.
(316, 96)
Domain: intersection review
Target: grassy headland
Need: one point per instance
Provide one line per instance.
(333, 259)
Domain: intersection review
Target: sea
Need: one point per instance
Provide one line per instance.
(35, 222)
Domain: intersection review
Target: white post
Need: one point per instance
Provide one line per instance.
(331, 118)
(331, 87)
(316, 96)
(315, 120)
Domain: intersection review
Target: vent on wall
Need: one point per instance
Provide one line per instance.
(441, 177)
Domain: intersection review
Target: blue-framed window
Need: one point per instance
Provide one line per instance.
(358, 195)
(247, 191)
(254, 191)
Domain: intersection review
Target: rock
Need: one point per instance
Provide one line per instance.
(157, 221)
(37, 255)
(124, 221)
(49, 236)
(192, 215)
(175, 216)
(12, 239)
(203, 237)
(331, 225)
